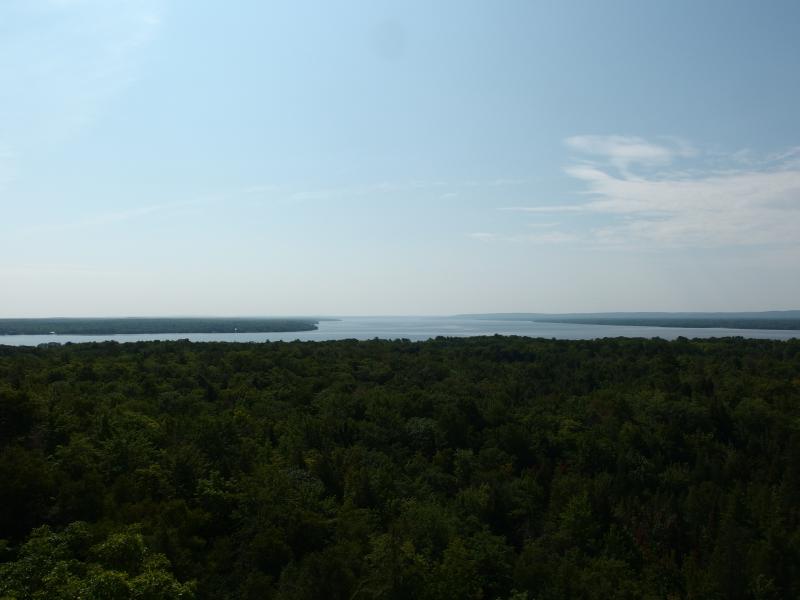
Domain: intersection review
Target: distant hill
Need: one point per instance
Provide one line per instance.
(141, 325)
(774, 319)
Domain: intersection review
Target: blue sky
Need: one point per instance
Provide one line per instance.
(274, 158)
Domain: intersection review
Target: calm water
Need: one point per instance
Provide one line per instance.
(416, 328)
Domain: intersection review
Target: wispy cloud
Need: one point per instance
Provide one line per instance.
(545, 208)
(290, 192)
(482, 236)
(548, 238)
(627, 151)
(638, 196)
(115, 217)
(443, 190)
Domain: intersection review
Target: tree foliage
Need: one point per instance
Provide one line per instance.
(455, 468)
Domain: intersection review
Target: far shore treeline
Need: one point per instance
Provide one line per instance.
(143, 325)
(503, 468)
(772, 319)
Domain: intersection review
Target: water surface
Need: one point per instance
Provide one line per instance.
(419, 328)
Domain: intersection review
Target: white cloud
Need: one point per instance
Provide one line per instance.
(730, 208)
(725, 204)
(626, 151)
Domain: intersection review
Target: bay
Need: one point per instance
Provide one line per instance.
(419, 328)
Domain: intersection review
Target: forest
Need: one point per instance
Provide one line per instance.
(485, 468)
(143, 325)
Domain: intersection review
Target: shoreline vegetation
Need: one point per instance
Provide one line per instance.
(489, 467)
(777, 319)
(154, 325)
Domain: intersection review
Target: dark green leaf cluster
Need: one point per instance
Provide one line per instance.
(455, 468)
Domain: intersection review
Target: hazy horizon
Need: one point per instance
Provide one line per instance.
(175, 158)
(323, 317)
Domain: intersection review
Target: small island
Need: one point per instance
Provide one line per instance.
(145, 325)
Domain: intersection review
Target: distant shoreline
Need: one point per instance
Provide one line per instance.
(155, 325)
(774, 320)
(684, 323)
(57, 328)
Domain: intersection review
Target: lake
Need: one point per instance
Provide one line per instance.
(419, 328)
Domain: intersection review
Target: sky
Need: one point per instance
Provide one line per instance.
(194, 157)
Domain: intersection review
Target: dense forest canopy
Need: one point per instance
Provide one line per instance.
(144, 325)
(487, 467)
